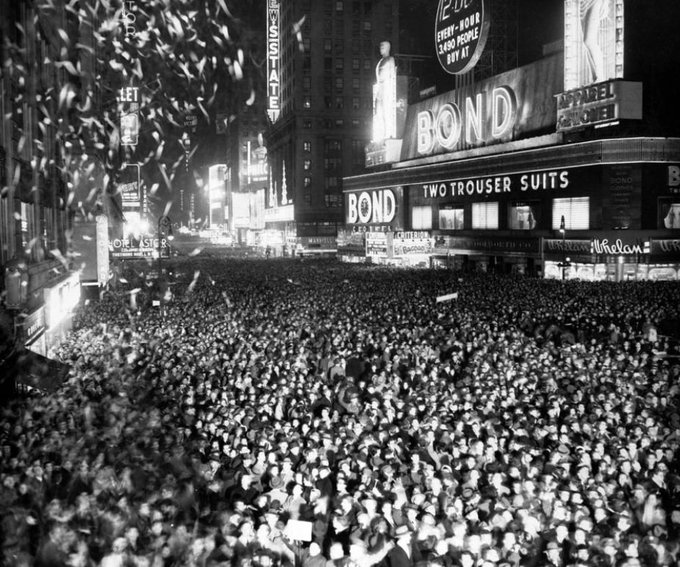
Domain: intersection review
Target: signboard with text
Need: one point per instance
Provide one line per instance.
(375, 207)
(460, 34)
(273, 70)
(128, 109)
(599, 104)
(502, 108)
(142, 247)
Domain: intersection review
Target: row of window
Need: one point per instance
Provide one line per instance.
(568, 214)
(521, 216)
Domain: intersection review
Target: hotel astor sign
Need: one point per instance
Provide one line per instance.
(461, 31)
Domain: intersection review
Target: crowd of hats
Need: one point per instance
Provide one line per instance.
(291, 412)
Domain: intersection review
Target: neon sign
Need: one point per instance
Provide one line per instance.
(374, 207)
(273, 71)
(480, 119)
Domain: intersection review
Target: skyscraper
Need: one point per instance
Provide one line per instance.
(322, 58)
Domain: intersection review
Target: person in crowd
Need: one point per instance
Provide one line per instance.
(349, 408)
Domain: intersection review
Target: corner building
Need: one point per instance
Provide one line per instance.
(321, 68)
(558, 168)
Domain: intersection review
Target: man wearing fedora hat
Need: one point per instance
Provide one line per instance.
(404, 553)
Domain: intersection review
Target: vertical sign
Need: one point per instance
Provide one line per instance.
(273, 71)
(128, 109)
(593, 42)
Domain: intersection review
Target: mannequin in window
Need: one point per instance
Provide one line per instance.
(592, 12)
(384, 98)
(672, 218)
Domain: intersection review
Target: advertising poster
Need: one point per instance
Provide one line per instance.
(622, 196)
(593, 41)
(460, 34)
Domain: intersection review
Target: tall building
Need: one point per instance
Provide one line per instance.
(39, 288)
(322, 58)
(565, 167)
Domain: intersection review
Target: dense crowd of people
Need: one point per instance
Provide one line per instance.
(290, 412)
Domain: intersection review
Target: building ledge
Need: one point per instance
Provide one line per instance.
(508, 161)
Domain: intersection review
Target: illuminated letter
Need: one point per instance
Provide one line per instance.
(364, 207)
(673, 176)
(389, 206)
(352, 208)
(448, 126)
(474, 115)
(377, 207)
(504, 111)
(425, 134)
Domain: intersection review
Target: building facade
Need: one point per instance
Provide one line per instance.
(320, 76)
(39, 287)
(562, 168)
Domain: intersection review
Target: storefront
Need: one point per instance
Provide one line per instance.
(492, 173)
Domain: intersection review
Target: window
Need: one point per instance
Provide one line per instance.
(485, 215)
(327, 45)
(356, 86)
(356, 103)
(339, 102)
(421, 218)
(669, 212)
(339, 64)
(339, 83)
(307, 146)
(307, 124)
(522, 216)
(306, 44)
(368, 26)
(339, 5)
(356, 65)
(307, 82)
(307, 102)
(367, 65)
(451, 219)
(307, 164)
(333, 201)
(576, 213)
(328, 63)
(308, 181)
(332, 146)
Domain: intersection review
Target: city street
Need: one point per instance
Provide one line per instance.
(295, 393)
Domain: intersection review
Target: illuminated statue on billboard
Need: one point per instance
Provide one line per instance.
(592, 14)
(385, 95)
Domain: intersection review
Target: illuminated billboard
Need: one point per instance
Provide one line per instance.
(375, 207)
(128, 110)
(499, 109)
(273, 71)
(460, 33)
(599, 104)
(593, 42)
